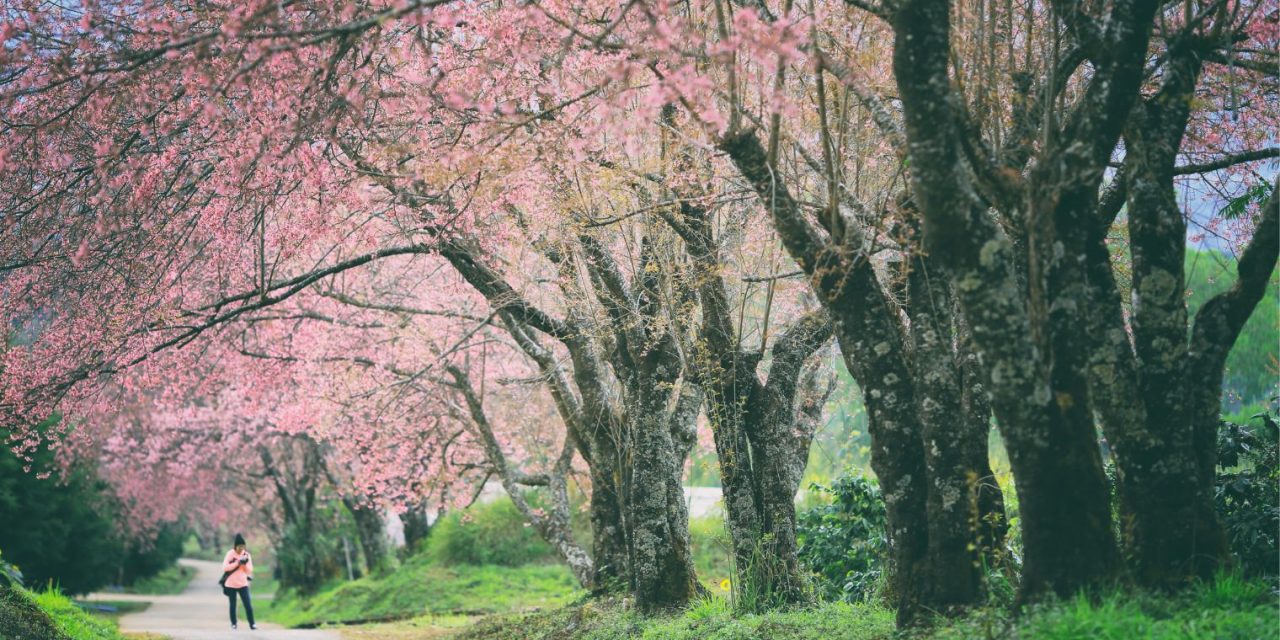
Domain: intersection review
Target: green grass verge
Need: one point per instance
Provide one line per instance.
(50, 616)
(168, 582)
(1227, 609)
(429, 627)
(121, 608)
(421, 586)
(1230, 609)
(711, 619)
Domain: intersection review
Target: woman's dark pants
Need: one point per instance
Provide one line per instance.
(244, 597)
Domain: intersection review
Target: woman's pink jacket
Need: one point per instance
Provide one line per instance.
(239, 572)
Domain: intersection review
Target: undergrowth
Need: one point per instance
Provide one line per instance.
(422, 586)
(1230, 608)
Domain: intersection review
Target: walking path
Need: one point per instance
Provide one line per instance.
(200, 613)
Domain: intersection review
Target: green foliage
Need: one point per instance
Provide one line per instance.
(1254, 361)
(1238, 206)
(312, 552)
(169, 581)
(421, 586)
(712, 551)
(49, 616)
(72, 621)
(145, 561)
(1229, 608)
(63, 531)
(487, 534)
(844, 541)
(56, 531)
(10, 575)
(1247, 492)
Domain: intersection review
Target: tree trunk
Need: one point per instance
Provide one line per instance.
(754, 427)
(372, 533)
(869, 333)
(1171, 528)
(780, 449)
(661, 558)
(608, 529)
(553, 524)
(953, 574)
(992, 523)
(416, 527)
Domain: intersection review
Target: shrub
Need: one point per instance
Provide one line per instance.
(142, 561)
(62, 528)
(844, 541)
(1247, 493)
(492, 533)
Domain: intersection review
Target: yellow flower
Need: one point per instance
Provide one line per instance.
(724, 584)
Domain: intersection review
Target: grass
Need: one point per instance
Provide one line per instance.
(711, 619)
(170, 581)
(121, 608)
(50, 615)
(1228, 609)
(191, 549)
(421, 586)
(429, 627)
(712, 550)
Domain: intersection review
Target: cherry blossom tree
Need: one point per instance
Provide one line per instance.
(341, 223)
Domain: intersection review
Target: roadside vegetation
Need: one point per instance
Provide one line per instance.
(168, 581)
(478, 562)
(49, 615)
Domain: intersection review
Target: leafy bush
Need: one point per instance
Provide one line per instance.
(1247, 495)
(142, 561)
(492, 533)
(62, 528)
(844, 541)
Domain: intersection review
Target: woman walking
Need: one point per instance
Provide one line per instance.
(237, 570)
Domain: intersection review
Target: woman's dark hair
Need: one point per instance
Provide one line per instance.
(239, 540)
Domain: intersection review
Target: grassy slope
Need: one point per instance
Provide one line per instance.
(421, 586)
(50, 616)
(1230, 609)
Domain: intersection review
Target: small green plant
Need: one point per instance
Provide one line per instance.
(1247, 493)
(712, 551)
(10, 576)
(844, 541)
(708, 607)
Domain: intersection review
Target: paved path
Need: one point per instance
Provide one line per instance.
(200, 613)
